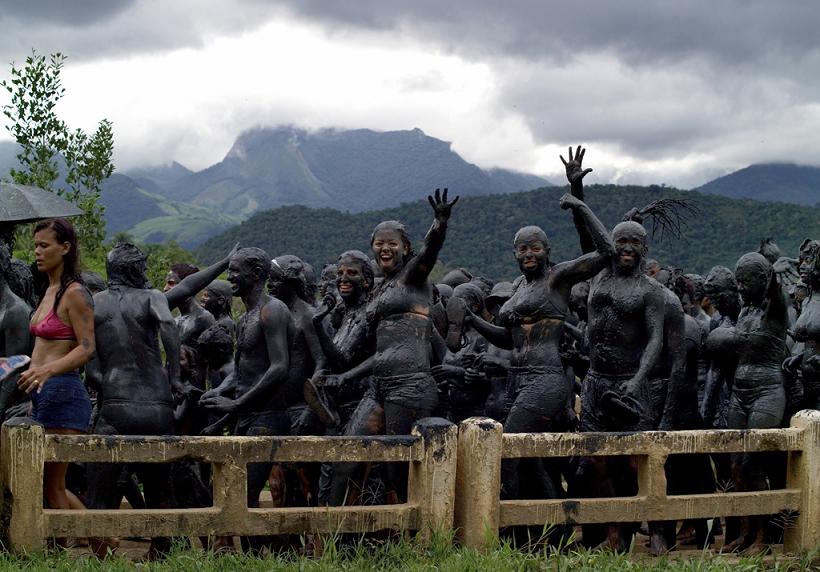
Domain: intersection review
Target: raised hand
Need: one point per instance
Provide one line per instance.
(441, 207)
(574, 170)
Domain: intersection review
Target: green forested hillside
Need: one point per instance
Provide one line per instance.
(482, 228)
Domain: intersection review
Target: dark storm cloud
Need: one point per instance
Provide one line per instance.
(59, 12)
(654, 79)
(94, 29)
(732, 31)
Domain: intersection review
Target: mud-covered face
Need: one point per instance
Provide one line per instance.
(724, 301)
(276, 283)
(327, 281)
(211, 301)
(241, 276)
(350, 281)
(389, 250)
(171, 280)
(578, 297)
(809, 262)
(531, 254)
(751, 284)
(630, 248)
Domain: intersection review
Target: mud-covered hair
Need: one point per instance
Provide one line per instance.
(216, 337)
(293, 270)
(537, 231)
(470, 293)
(183, 269)
(719, 279)
(125, 265)
(256, 258)
(757, 263)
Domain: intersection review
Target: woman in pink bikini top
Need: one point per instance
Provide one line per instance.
(52, 328)
(63, 327)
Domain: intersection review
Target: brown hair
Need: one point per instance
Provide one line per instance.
(64, 232)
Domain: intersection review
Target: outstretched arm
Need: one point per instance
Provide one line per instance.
(192, 284)
(566, 274)
(419, 268)
(497, 335)
(575, 176)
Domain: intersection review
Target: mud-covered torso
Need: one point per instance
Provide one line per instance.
(761, 349)
(350, 336)
(679, 330)
(192, 324)
(14, 324)
(807, 326)
(535, 316)
(127, 347)
(617, 323)
(251, 360)
(807, 331)
(398, 315)
(302, 365)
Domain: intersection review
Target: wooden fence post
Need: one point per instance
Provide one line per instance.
(432, 481)
(478, 481)
(22, 455)
(804, 474)
(230, 493)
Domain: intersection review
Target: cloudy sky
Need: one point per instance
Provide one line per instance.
(660, 91)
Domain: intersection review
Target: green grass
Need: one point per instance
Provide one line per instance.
(409, 555)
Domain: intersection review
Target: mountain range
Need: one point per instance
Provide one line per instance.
(783, 182)
(349, 170)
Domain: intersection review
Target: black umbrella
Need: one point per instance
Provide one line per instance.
(21, 203)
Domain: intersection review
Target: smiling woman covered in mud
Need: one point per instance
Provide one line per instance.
(532, 327)
(398, 315)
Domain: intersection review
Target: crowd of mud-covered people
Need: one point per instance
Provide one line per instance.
(609, 341)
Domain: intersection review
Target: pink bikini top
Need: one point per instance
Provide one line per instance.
(52, 328)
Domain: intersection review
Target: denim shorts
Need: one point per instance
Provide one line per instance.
(62, 403)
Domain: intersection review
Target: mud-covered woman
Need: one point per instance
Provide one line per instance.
(346, 398)
(758, 397)
(806, 330)
(398, 316)
(532, 327)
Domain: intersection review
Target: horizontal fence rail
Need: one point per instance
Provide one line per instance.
(24, 448)
(454, 481)
(482, 447)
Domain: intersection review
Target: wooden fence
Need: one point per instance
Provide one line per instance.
(24, 448)
(454, 481)
(481, 446)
